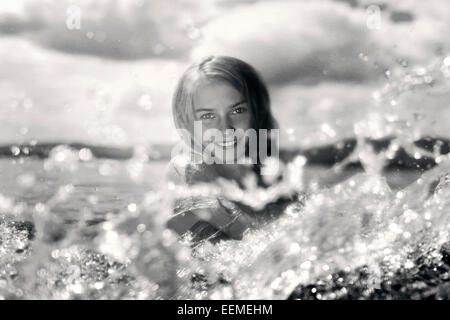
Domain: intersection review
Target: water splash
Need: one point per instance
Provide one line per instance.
(326, 238)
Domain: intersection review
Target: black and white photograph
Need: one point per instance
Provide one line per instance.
(232, 150)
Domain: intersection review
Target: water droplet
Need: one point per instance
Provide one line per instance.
(40, 207)
(99, 285)
(294, 249)
(108, 169)
(85, 154)
(132, 207)
(77, 288)
(55, 254)
(93, 199)
(409, 264)
(376, 95)
(306, 265)
(193, 33)
(145, 102)
(421, 71)
(391, 117)
(404, 63)
(326, 128)
(363, 57)
(141, 228)
(447, 61)
(15, 150)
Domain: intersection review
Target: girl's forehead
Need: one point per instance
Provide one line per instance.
(215, 90)
(213, 84)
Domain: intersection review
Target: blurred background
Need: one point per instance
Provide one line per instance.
(103, 72)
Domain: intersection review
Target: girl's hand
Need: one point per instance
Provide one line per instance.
(230, 220)
(233, 224)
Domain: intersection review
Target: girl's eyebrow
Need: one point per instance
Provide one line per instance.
(236, 104)
(230, 107)
(203, 109)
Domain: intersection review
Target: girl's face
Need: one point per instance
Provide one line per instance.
(221, 107)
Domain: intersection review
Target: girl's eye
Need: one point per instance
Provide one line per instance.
(207, 116)
(239, 110)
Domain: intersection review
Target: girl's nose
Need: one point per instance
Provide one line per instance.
(225, 124)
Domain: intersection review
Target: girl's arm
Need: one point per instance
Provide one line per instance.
(188, 213)
(232, 225)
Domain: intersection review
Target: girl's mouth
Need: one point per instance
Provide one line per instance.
(227, 144)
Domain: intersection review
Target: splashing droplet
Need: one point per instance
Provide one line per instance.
(145, 102)
(85, 154)
(404, 63)
(447, 61)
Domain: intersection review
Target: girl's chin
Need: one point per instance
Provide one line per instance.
(226, 145)
(227, 156)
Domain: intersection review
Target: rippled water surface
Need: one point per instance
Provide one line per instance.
(96, 233)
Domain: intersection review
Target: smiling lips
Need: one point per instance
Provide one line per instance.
(227, 144)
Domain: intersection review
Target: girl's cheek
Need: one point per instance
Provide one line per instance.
(204, 136)
(242, 123)
(208, 125)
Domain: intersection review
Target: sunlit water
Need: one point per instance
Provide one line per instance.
(76, 227)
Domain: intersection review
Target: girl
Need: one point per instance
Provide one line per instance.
(227, 97)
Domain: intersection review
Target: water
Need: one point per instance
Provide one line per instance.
(65, 225)
(94, 241)
(73, 226)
